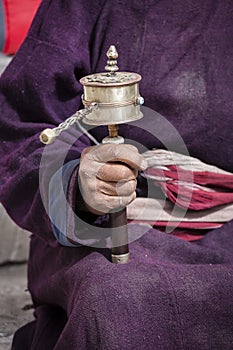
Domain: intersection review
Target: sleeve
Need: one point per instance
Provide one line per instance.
(58, 205)
(39, 89)
(71, 226)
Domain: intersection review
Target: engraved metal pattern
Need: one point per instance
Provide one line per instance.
(107, 78)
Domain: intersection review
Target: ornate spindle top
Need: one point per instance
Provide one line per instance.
(112, 55)
(111, 77)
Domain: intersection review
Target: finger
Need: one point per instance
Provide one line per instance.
(124, 153)
(111, 203)
(124, 201)
(116, 172)
(116, 189)
(110, 172)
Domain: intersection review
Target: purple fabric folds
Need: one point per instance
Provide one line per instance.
(173, 294)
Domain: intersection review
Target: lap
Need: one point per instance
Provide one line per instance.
(159, 300)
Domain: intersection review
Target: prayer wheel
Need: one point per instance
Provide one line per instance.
(109, 98)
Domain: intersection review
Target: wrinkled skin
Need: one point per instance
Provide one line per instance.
(108, 176)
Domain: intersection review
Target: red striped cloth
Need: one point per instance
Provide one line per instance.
(194, 190)
(191, 185)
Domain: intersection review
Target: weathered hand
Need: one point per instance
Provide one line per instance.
(107, 176)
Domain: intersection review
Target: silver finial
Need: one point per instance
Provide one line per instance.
(112, 55)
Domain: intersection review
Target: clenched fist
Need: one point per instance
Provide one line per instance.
(108, 176)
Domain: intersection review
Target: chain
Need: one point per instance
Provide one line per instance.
(48, 135)
(74, 118)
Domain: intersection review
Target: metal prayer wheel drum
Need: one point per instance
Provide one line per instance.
(116, 94)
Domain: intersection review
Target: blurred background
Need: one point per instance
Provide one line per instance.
(15, 19)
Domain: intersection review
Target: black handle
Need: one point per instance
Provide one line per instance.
(120, 248)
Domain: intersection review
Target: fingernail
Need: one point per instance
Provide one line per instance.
(144, 164)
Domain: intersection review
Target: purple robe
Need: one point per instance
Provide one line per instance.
(173, 294)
